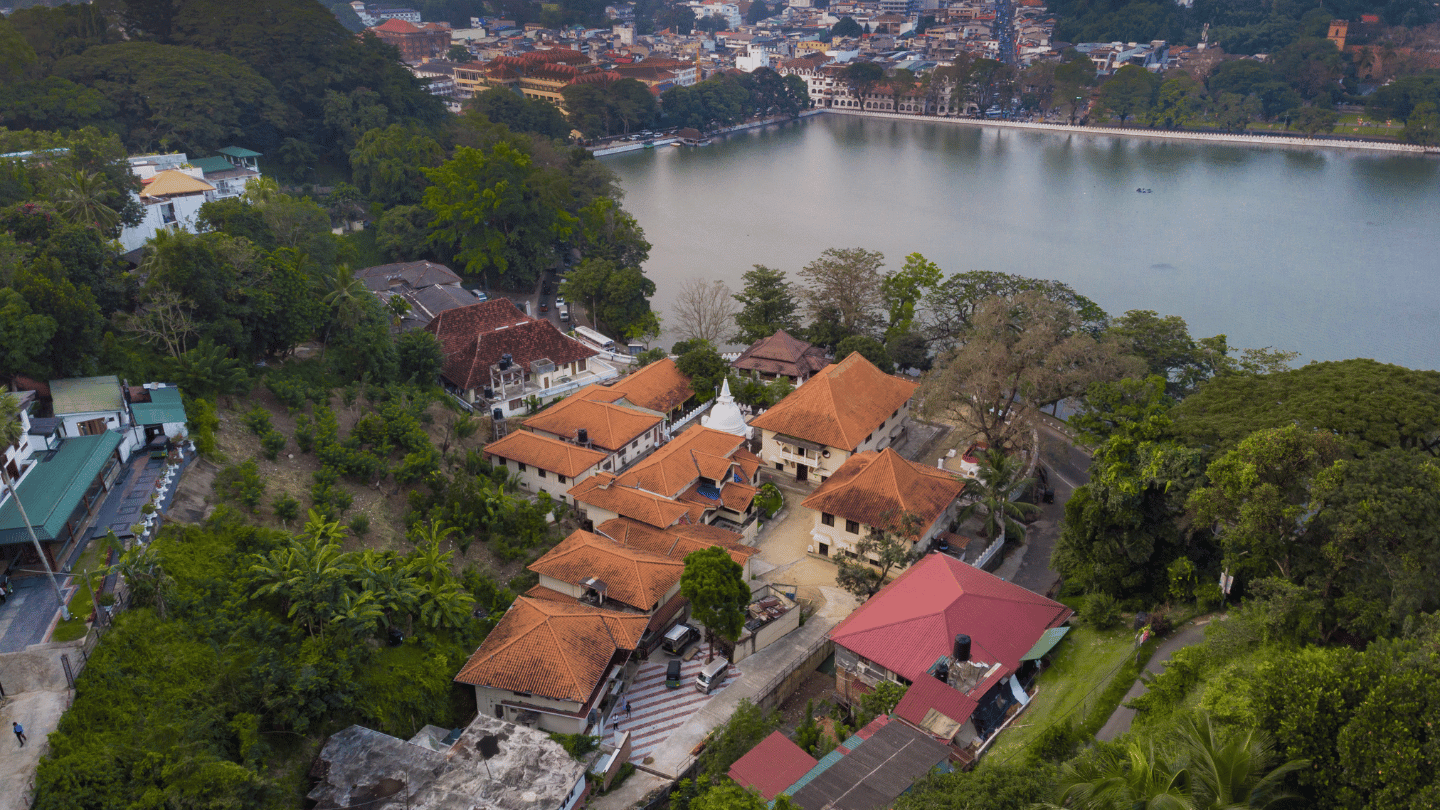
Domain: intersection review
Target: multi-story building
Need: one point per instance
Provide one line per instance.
(416, 41)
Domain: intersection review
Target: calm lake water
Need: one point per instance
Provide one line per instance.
(1330, 253)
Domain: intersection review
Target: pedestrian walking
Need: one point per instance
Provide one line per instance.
(19, 733)
(627, 708)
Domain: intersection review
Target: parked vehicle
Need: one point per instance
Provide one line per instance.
(712, 675)
(679, 637)
(564, 312)
(672, 674)
(480, 294)
(544, 304)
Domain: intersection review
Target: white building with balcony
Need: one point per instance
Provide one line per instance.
(174, 188)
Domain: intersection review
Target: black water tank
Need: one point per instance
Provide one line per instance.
(962, 648)
(942, 672)
(497, 414)
(505, 361)
(583, 437)
(489, 392)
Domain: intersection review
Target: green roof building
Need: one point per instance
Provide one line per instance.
(59, 492)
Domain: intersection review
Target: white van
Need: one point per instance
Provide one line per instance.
(565, 312)
(711, 675)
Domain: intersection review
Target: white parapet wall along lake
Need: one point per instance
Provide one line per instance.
(1329, 252)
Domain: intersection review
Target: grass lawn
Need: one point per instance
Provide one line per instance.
(93, 559)
(1081, 667)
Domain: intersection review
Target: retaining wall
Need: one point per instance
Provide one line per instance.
(1166, 134)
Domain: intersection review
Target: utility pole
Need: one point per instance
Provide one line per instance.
(59, 595)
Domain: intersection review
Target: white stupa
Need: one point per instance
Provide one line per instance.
(725, 414)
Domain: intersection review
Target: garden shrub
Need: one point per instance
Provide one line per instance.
(272, 443)
(242, 484)
(360, 524)
(258, 420)
(287, 508)
(204, 421)
(1101, 611)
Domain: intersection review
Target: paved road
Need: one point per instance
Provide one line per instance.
(1029, 566)
(1120, 721)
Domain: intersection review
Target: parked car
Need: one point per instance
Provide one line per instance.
(559, 299)
(712, 675)
(672, 674)
(679, 637)
(480, 294)
(544, 304)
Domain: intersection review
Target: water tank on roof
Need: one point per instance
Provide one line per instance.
(583, 437)
(489, 392)
(497, 414)
(962, 648)
(504, 361)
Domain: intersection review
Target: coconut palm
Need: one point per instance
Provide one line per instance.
(79, 196)
(993, 491)
(1132, 776)
(445, 604)
(11, 429)
(1231, 769)
(427, 561)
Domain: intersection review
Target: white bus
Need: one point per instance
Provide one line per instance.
(595, 338)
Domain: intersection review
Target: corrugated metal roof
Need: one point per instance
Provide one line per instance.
(86, 395)
(212, 164)
(1046, 643)
(164, 407)
(237, 151)
(54, 488)
(772, 765)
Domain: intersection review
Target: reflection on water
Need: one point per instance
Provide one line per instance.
(1326, 252)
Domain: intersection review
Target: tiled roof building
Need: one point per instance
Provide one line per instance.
(415, 42)
(848, 407)
(658, 387)
(589, 566)
(702, 476)
(543, 362)
(781, 355)
(548, 662)
(872, 491)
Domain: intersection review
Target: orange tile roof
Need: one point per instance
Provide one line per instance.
(675, 466)
(636, 577)
(555, 650)
(839, 406)
(600, 490)
(546, 453)
(658, 386)
(873, 488)
(610, 426)
(395, 25)
(677, 541)
(549, 595)
(171, 181)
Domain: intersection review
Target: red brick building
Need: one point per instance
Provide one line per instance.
(415, 42)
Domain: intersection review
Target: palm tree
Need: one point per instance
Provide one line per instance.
(11, 430)
(1132, 776)
(344, 297)
(143, 573)
(79, 196)
(1229, 769)
(308, 575)
(208, 370)
(1203, 769)
(998, 481)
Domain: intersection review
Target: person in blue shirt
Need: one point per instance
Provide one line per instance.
(20, 733)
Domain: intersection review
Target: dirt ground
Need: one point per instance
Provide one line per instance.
(818, 687)
(36, 696)
(385, 505)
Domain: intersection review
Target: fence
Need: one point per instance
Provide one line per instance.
(773, 692)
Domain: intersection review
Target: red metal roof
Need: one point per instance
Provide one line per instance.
(773, 765)
(913, 621)
(927, 693)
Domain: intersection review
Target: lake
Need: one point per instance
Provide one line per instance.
(1328, 252)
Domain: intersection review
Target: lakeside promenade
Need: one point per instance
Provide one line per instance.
(1122, 132)
(1170, 134)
